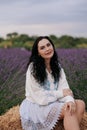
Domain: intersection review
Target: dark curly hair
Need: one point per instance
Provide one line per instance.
(39, 68)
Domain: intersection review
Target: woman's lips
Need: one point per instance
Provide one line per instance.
(48, 53)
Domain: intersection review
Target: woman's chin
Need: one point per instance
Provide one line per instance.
(48, 57)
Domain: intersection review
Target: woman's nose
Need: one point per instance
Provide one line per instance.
(47, 48)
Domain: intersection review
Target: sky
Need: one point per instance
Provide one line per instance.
(44, 17)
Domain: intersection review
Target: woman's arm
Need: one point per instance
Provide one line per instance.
(63, 85)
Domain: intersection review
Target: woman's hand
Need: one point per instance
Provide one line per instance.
(71, 107)
(67, 92)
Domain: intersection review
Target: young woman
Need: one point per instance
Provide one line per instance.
(48, 96)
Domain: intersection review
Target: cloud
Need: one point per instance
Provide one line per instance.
(43, 11)
(52, 14)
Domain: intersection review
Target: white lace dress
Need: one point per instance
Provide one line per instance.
(41, 108)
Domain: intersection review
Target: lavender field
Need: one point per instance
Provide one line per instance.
(13, 64)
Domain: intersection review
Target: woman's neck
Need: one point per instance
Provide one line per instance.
(47, 63)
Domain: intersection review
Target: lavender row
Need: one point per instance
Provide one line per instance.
(74, 61)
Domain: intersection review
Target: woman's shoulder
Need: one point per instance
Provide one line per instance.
(61, 69)
(60, 66)
(30, 67)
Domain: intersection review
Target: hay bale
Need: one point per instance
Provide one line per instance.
(11, 121)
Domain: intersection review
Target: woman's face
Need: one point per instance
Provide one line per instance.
(45, 49)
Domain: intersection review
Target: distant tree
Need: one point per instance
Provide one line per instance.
(66, 41)
(9, 35)
(14, 34)
(83, 40)
(23, 38)
(33, 38)
(54, 38)
(20, 40)
(1, 39)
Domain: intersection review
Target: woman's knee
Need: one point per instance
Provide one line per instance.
(64, 113)
(80, 104)
(80, 109)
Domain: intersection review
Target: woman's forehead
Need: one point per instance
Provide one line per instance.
(43, 42)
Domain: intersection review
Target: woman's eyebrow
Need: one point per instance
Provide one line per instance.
(44, 45)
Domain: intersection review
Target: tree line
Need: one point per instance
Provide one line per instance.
(23, 40)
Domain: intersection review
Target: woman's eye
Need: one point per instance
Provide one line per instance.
(48, 44)
(42, 47)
